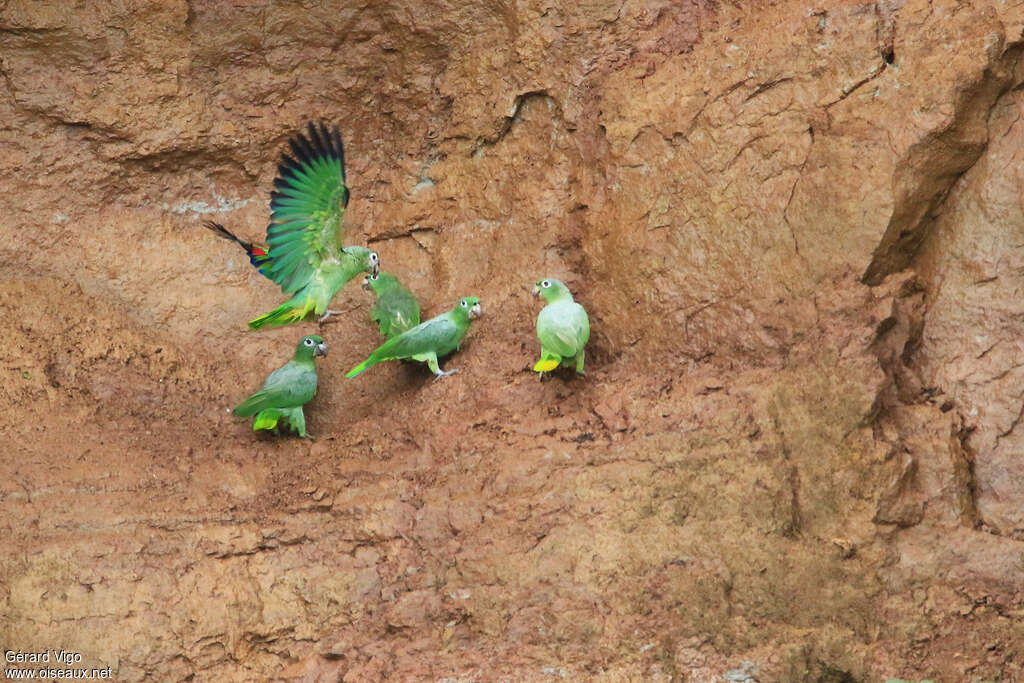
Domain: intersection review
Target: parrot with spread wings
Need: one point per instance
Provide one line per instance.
(305, 253)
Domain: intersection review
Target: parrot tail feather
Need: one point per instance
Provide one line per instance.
(357, 369)
(546, 364)
(223, 232)
(282, 315)
(266, 420)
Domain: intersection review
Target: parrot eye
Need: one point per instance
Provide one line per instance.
(307, 341)
(464, 303)
(373, 257)
(375, 277)
(546, 284)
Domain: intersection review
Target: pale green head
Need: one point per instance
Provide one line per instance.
(551, 289)
(468, 308)
(369, 260)
(379, 282)
(310, 346)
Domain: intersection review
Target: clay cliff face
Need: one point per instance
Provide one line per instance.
(796, 453)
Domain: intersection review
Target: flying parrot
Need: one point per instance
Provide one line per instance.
(258, 256)
(286, 390)
(307, 207)
(396, 309)
(427, 341)
(562, 327)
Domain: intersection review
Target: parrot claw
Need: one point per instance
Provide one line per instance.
(327, 314)
(444, 373)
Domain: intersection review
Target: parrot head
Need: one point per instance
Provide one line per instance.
(366, 258)
(310, 346)
(378, 282)
(550, 289)
(470, 305)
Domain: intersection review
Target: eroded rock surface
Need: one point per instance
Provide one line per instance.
(795, 455)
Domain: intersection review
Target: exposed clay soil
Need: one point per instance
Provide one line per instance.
(795, 456)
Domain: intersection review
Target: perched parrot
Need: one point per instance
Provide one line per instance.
(396, 309)
(258, 255)
(562, 327)
(306, 229)
(287, 389)
(437, 337)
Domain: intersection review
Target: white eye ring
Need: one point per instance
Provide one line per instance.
(308, 342)
(373, 256)
(464, 303)
(375, 277)
(546, 284)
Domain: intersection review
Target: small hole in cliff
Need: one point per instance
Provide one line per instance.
(889, 55)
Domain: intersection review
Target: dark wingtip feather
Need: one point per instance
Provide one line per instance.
(339, 148)
(288, 167)
(301, 152)
(315, 140)
(307, 145)
(319, 142)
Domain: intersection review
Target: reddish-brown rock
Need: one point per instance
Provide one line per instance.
(796, 453)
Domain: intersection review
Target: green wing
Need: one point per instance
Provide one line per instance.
(563, 328)
(396, 311)
(425, 337)
(307, 207)
(287, 387)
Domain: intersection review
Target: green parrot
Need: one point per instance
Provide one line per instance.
(396, 309)
(562, 327)
(306, 229)
(437, 337)
(287, 389)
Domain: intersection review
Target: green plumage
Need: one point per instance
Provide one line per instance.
(427, 341)
(286, 390)
(306, 231)
(562, 327)
(396, 309)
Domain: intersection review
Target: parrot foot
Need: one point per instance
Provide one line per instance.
(327, 314)
(444, 373)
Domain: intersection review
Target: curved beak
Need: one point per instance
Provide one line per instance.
(375, 268)
(321, 349)
(536, 291)
(475, 311)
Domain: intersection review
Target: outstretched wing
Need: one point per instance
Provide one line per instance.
(307, 207)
